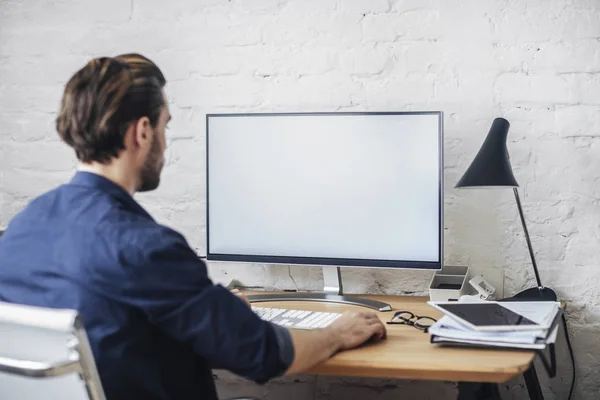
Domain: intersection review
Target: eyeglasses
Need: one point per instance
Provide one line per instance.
(407, 318)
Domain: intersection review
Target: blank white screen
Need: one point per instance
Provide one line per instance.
(338, 186)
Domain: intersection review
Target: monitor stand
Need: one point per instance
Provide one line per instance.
(332, 293)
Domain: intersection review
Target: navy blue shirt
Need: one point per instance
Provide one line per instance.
(156, 323)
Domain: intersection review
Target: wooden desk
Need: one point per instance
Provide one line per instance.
(407, 352)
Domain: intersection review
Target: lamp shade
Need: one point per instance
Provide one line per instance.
(491, 166)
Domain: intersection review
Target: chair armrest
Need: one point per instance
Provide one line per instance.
(35, 369)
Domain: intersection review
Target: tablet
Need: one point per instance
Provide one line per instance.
(488, 316)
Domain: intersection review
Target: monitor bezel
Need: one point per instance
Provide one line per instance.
(330, 261)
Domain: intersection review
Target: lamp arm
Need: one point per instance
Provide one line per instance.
(537, 274)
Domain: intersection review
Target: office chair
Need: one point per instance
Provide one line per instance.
(45, 354)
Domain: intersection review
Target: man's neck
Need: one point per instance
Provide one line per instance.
(113, 172)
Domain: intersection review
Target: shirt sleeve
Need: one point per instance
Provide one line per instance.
(167, 280)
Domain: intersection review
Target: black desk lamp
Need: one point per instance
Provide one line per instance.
(491, 167)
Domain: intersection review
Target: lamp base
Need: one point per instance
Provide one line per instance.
(534, 294)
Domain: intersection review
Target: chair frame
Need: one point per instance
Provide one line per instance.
(81, 362)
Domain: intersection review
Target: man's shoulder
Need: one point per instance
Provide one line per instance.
(102, 224)
(142, 240)
(143, 234)
(71, 203)
(149, 252)
(36, 208)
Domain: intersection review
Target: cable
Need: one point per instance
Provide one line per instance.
(292, 278)
(564, 320)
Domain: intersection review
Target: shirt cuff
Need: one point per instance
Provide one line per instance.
(286, 346)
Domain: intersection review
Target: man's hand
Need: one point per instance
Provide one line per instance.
(348, 331)
(241, 296)
(354, 328)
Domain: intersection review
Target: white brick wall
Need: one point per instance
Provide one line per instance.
(536, 62)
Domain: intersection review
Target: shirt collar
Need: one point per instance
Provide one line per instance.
(92, 180)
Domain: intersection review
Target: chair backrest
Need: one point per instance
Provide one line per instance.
(45, 354)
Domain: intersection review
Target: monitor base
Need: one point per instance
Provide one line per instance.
(321, 297)
(333, 292)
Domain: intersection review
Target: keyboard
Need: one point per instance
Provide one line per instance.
(297, 319)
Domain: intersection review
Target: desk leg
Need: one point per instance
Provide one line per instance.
(478, 391)
(533, 384)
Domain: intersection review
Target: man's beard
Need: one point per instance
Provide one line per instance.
(150, 173)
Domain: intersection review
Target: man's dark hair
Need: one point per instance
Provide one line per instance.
(143, 67)
(103, 99)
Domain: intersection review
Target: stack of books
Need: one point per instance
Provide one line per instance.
(450, 331)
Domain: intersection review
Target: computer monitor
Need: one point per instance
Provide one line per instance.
(359, 189)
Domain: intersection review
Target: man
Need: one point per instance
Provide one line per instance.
(156, 322)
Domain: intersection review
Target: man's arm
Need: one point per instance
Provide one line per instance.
(162, 277)
(166, 280)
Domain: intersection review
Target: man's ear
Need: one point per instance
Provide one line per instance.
(142, 132)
